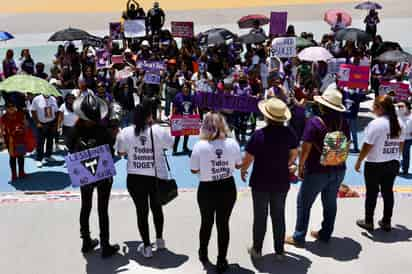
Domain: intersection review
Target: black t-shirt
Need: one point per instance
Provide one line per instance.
(156, 16)
(89, 137)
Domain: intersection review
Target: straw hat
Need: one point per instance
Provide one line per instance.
(331, 98)
(275, 109)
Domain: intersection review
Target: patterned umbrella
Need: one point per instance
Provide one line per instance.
(70, 34)
(315, 54)
(4, 36)
(331, 16)
(28, 84)
(247, 22)
(368, 5)
(215, 37)
(353, 34)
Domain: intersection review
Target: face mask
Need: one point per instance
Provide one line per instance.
(401, 111)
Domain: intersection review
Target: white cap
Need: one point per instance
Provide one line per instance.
(128, 50)
(145, 43)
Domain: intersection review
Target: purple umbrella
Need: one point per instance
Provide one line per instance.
(368, 5)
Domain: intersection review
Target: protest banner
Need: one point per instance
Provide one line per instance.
(401, 90)
(334, 65)
(185, 125)
(117, 59)
(116, 31)
(134, 28)
(124, 73)
(151, 78)
(93, 41)
(284, 47)
(102, 59)
(352, 76)
(153, 66)
(215, 101)
(91, 165)
(278, 22)
(182, 29)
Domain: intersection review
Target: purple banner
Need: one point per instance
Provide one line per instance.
(152, 66)
(217, 101)
(91, 165)
(278, 22)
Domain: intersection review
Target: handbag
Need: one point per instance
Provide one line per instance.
(167, 189)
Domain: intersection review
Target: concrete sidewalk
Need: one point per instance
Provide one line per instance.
(43, 238)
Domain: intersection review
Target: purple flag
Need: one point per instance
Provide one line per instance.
(278, 22)
(217, 101)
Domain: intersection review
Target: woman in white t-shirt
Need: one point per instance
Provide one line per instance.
(67, 119)
(214, 158)
(142, 169)
(382, 150)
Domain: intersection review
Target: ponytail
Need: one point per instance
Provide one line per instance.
(141, 114)
(386, 104)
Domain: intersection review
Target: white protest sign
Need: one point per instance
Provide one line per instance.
(134, 28)
(284, 47)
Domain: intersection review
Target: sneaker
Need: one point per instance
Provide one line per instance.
(109, 250)
(145, 251)
(50, 159)
(291, 241)
(89, 245)
(385, 226)
(363, 224)
(254, 253)
(160, 244)
(39, 164)
(222, 266)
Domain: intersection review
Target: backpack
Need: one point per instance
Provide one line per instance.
(335, 148)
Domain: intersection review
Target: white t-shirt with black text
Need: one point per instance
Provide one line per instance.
(140, 153)
(216, 160)
(384, 148)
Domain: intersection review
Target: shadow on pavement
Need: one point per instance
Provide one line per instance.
(163, 259)
(341, 249)
(43, 181)
(291, 264)
(97, 265)
(399, 233)
(233, 268)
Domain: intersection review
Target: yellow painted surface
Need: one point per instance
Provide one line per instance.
(91, 6)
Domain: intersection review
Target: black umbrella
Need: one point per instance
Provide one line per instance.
(368, 5)
(352, 34)
(70, 34)
(253, 38)
(387, 46)
(394, 56)
(214, 37)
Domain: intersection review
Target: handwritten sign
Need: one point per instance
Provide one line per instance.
(278, 22)
(185, 125)
(283, 47)
(400, 89)
(90, 166)
(134, 28)
(116, 31)
(219, 101)
(182, 29)
(352, 76)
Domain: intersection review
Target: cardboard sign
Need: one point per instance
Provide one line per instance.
(334, 65)
(219, 101)
(102, 59)
(185, 125)
(352, 76)
(278, 22)
(400, 89)
(116, 31)
(182, 29)
(134, 28)
(90, 166)
(283, 47)
(117, 59)
(152, 78)
(153, 66)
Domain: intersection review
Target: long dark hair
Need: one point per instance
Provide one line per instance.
(141, 114)
(386, 104)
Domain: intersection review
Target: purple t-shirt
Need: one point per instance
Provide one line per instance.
(315, 132)
(184, 104)
(270, 146)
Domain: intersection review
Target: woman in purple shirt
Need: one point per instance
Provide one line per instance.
(9, 65)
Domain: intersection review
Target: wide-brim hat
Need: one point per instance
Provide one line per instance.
(275, 110)
(84, 106)
(331, 98)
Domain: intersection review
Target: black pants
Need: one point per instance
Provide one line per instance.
(103, 196)
(275, 201)
(46, 135)
(143, 190)
(216, 199)
(67, 135)
(185, 141)
(241, 119)
(13, 164)
(380, 177)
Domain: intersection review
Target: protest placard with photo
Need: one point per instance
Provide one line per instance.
(102, 59)
(401, 90)
(135, 28)
(116, 31)
(352, 76)
(284, 47)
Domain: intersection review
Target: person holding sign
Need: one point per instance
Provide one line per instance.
(89, 134)
(214, 159)
(384, 141)
(138, 142)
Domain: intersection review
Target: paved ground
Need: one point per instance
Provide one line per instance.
(43, 238)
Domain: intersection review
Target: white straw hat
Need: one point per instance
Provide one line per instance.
(275, 109)
(331, 98)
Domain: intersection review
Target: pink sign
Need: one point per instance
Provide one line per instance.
(184, 125)
(352, 76)
(278, 22)
(117, 59)
(400, 89)
(182, 29)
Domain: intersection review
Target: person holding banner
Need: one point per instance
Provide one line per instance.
(214, 158)
(88, 134)
(138, 142)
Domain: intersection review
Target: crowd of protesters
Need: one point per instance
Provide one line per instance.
(298, 103)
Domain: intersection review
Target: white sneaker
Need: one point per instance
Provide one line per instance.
(50, 159)
(160, 244)
(145, 251)
(39, 164)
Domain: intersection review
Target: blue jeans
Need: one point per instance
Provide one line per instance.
(328, 185)
(406, 155)
(353, 126)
